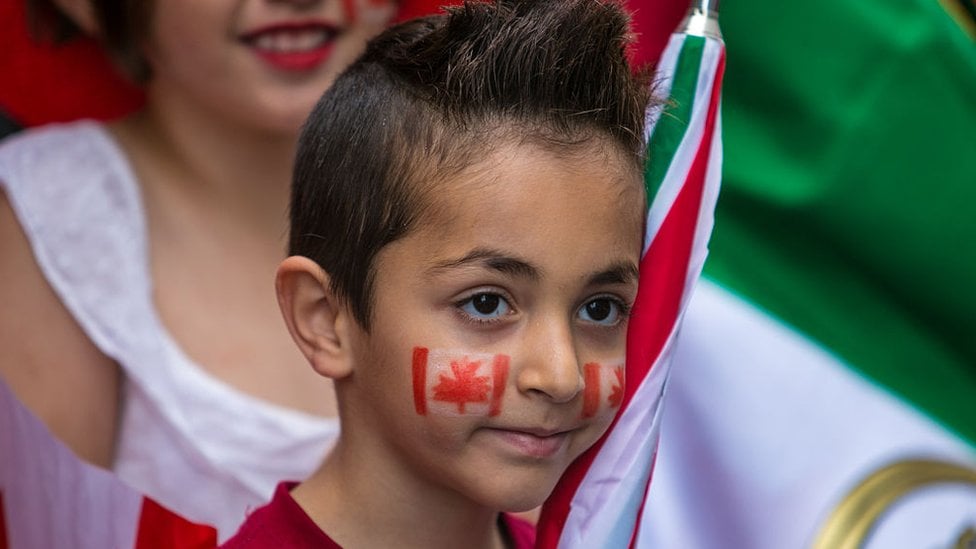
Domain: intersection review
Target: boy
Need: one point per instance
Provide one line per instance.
(466, 224)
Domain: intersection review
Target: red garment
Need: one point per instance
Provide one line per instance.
(283, 523)
(521, 533)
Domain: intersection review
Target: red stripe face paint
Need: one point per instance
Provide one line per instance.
(420, 380)
(457, 383)
(591, 389)
(499, 372)
(603, 388)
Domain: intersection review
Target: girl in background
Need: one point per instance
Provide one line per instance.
(138, 318)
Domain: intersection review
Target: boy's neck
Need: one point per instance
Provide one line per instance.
(360, 505)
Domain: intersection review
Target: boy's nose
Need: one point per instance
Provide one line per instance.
(548, 363)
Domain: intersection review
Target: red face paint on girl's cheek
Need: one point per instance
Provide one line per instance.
(352, 8)
(352, 11)
(596, 377)
(457, 383)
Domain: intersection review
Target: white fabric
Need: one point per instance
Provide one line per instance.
(193, 443)
(764, 433)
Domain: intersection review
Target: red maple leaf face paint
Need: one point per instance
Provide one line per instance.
(603, 387)
(458, 383)
(617, 390)
(465, 386)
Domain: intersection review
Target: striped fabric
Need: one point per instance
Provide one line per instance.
(49, 498)
(598, 502)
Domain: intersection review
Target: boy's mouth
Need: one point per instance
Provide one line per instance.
(293, 46)
(531, 442)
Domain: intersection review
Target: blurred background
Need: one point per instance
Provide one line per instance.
(832, 340)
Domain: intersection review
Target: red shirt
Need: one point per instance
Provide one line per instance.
(283, 523)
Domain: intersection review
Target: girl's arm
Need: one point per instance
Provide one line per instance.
(45, 357)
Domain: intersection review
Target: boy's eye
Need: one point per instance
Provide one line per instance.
(485, 305)
(602, 310)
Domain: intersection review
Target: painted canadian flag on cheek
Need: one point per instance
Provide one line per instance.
(457, 383)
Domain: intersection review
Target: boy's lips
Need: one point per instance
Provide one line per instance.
(536, 443)
(292, 46)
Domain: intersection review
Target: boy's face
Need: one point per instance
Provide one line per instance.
(497, 347)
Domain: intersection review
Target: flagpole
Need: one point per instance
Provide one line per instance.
(702, 20)
(599, 500)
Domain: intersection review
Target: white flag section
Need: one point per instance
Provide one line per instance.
(775, 469)
(50, 499)
(598, 502)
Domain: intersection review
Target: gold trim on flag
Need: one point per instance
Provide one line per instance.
(857, 514)
(960, 16)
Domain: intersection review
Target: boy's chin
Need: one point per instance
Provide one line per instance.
(518, 497)
(524, 507)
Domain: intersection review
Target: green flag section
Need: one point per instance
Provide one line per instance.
(848, 207)
(828, 366)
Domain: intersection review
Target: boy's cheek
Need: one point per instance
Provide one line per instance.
(458, 383)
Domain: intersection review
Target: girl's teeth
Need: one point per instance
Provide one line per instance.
(290, 41)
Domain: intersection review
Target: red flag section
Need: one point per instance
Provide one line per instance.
(160, 528)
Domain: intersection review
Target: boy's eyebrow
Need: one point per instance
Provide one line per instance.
(493, 259)
(621, 273)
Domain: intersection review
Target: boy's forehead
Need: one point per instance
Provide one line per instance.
(510, 194)
(512, 164)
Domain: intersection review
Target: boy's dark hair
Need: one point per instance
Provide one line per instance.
(121, 25)
(433, 96)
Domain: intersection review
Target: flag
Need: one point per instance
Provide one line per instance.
(49, 498)
(829, 359)
(598, 501)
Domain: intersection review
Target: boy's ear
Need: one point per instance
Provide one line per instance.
(82, 13)
(318, 322)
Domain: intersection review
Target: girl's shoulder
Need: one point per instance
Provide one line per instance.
(57, 143)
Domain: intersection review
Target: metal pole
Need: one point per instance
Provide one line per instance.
(702, 19)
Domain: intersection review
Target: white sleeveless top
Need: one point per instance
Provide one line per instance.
(188, 440)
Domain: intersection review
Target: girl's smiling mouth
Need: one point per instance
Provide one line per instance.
(293, 46)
